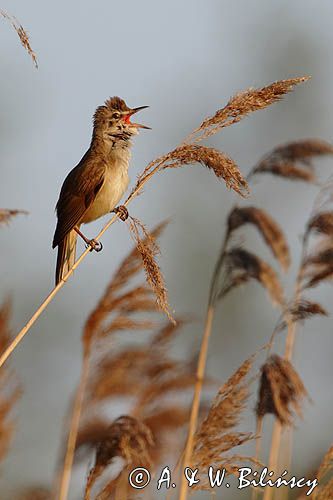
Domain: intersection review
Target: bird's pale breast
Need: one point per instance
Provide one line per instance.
(114, 186)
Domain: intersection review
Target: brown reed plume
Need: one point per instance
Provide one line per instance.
(236, 266)
(146, 373)
(22, 34)
(217, 435)
(183, 155)
(34, 493)
(285, 161)
(7, 214)
(253, 100)
(268, 228)
(113, 313)
(324, 490)
(9, 388)
(282, 162)
(240, 105)
(148, 249)
(127, 438)
(281, 390)
(293, 160)
(153, 385)
(243, 265)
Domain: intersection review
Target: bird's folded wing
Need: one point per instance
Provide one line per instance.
(76, 197)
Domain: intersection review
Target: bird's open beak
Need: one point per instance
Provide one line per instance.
(132, 112)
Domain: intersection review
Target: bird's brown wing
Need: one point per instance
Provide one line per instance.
(77, 194)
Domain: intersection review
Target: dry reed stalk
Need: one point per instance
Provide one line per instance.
(182, 155)
(153, 380)
(273, 461)
(240, 266)
(9, 388)
(223, 167)
(196, 399)
(121, 302)
(240, 106)
(73, 431)
(140, 372)
(153, 384)
(300, 309)
(217, 435)
(281, 392)
(22, 34)
(293, 162)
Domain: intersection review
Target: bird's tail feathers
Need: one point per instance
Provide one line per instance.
(66, 255)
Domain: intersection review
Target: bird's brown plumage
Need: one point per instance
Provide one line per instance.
(94, 187)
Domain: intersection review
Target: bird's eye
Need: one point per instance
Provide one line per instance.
(116, 116)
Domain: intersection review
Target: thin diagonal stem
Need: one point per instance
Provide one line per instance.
(273, 463)
(73, 430)
(201, 367)
(196, 399)
(19, 337)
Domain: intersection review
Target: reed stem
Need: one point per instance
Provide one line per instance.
(196, 399)
(73, 430)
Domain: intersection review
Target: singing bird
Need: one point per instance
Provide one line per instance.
(95, 186)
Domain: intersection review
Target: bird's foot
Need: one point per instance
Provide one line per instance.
(94, 245)
(122, 212)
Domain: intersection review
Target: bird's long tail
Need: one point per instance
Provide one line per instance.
(66, 255)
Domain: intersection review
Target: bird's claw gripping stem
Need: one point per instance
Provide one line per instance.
(94, 245)
(122, 212)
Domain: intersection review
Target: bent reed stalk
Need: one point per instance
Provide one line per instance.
(19, 337)
(201, 368)
(224, 168)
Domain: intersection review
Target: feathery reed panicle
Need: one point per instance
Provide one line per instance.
(223, 167)
(118, 299)
(324, 491)
(268, 228)
(317, 264)
(9, 388)
(243, 265)
(321, 223)
(281, 390)
(217, 435)
(144, 375)
(22, 34)
(148, 249)
(7, 214)
(112, 314)
(293, 160)
(127, 438)
(239, 106)
(236, 266)
(35, 493)
(248, 101)
(299, 311)
(152, 384)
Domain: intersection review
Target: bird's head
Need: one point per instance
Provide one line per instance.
(112, 122)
